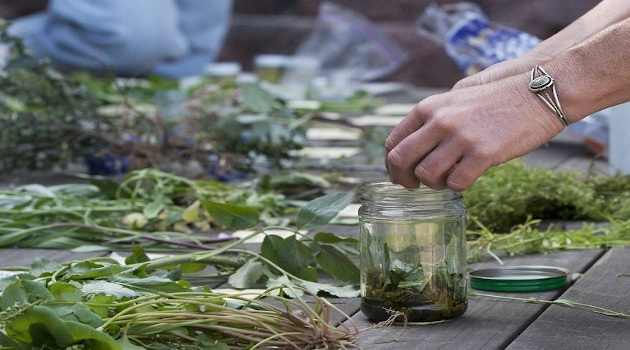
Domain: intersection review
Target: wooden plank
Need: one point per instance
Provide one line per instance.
(24, 257)
(606, 284)
(488, 323)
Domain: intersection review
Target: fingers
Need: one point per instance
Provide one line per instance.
(412, 122)
(435, 168)
(465, 173)
(425, 156)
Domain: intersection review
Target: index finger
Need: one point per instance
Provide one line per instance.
(412, 122)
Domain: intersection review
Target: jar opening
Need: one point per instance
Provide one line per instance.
(384, 191)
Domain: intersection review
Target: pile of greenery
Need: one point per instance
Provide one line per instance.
(101, 303)
(509, 204)
(507, 195)
(50, 119)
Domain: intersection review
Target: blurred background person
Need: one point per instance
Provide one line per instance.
(170, 38)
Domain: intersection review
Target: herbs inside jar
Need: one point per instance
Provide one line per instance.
(413, 256)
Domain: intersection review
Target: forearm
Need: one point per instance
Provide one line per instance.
(594, 74)
(605, 14)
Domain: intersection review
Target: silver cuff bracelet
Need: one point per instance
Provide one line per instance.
(540, 84)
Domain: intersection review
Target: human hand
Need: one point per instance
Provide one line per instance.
(503, 70)
(449, 140)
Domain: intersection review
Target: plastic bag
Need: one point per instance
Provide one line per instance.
(347, 48)
(470, 39)
(474, 43)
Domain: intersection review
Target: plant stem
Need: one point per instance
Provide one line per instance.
(559, 302)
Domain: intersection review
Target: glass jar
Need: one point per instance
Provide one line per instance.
(413, 253)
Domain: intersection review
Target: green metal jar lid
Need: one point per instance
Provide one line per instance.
(519, 278)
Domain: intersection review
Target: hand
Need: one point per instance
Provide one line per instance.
(449, 140)
(503, 70)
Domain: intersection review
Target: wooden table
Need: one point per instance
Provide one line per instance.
(601, 278)
(604, 280)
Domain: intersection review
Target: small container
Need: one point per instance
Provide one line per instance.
(270, 68)
(223, 72)
(413, 253)
(519, 278)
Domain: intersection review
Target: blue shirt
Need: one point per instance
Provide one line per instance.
(171, 38)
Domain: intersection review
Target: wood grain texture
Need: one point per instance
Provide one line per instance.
(488, 323)
(24, 257)
(606, 284)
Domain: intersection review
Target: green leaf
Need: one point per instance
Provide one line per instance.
(289, 254)
(107, 187)
(338, 264)
(100, 304)
(12, 344)
(39, 326)
(331, 238)
(108, 288)
(13, 104)
(281, 281)
(86, 270)
(247, 275)
(237, 217)
(215, 345)
(125, 344)
(65, 291)
(153, 209)
(24, 292)
(320, 211)
(90, 337)
(337, 291)
(154, 283)
(256, 98)
(77, 312)
(42, 266)
(138, 255)
(13, 294)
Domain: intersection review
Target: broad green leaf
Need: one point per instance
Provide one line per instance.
(13, 104)
(65, 291)
(153, 209)
(321, 210)
(191, 213)
(338, 264)
(42, 266)
(237, 217)
(155, 283)
(346, 245)
(256, 98)
(12, 344)
(90, 337)
(12, 295)
(99, 304)
(247, 275)
(289, 254)
(138, 255)
(77, 312)
(39, 326)
(89, 270)
(108, 288)
(107, 187)
(24, 292)
(284, 281)
(215, 345)
(331, 238)
(337, 291)
(125, 344)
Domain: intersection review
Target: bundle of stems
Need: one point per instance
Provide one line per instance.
(235, 320)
